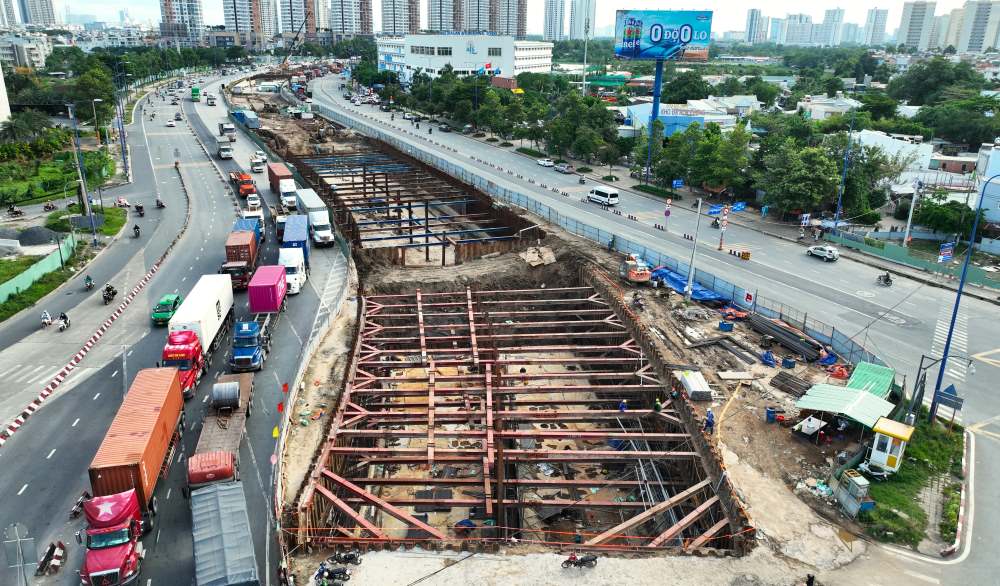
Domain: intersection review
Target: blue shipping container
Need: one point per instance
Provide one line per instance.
(250, 225)
(251, 120)
(240, 116)
(297, 234)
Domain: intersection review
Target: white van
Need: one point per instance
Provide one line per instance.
(295, 268)
(603, 195)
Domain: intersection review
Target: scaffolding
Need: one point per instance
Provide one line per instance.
(478, 417)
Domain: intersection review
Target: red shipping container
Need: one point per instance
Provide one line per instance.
(267, 289)
(241, 247)
(275, 173)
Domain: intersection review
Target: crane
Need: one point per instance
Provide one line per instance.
(296, 40)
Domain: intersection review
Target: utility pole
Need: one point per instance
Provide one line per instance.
(586, 37)
(694, 251)
(843, 178)
(79, 172)
(913, 205)
(723, 223)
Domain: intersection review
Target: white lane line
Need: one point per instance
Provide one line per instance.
(50, 454)
(96, 396)
(114, 374)
(157, 535)
(169, 490)
(77, 420)
(184, 279)
(205, 399)
(23, 488)
(129, 353)
(923, 577)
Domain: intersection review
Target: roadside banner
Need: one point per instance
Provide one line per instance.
(946, 252)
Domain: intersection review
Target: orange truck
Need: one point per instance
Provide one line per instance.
(243, 183)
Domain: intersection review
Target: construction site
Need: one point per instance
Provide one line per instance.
(492, 388)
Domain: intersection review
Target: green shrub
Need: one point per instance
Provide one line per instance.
(506, 144)
(479, 135)
(492, 139)
(610, 178)
(530, 152)
(902, 211)
(644, 187)
(948, 526)
(584, 169)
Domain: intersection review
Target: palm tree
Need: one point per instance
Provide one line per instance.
(24, 126)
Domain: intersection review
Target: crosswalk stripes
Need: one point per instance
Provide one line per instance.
(956, 369)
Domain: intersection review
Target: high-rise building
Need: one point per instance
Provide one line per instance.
(828, 32)
(511, 18)
(777, 32)
(980, 25)
(8, 18)
(181, 23)
(875, 26)
(321, 10)
(938, 31)
(798, 30)
(555, 19)
(915, 26)
(367, 23)
(345, 17)
(4, 101)
(476, 15)
(851, 34)
(400, 17)
(582, 18)
(441, 15)
(954, 32)
(756, 29)
(39, 12)
(268, 19)
(243, 17)
(297, 15)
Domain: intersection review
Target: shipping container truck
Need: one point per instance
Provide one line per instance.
(198, 328)
(275, 173)
(228, 130)
(135, 454)
(222, 541)
(224, 148)
(210, 99)
(297, 235)
(241, 258)
(295, 268)
(195, 94)
(251, 225)
(216, 456)
(252, 337)
(308, 203)
(287, 194)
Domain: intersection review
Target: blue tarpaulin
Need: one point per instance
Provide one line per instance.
(678, 282)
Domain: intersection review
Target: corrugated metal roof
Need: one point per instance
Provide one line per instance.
(134, 425)
(856, 404)
(873, 378)
(894, 429)
(223, 544)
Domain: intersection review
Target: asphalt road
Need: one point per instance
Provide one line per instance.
(55, 447)
(898, 324)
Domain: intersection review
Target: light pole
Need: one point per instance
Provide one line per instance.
(958, 299)
(694, 251)
(79, 171)
(723, 224)
(97, 130)
(58, 243)
(843, 178)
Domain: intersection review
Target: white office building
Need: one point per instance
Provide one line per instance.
(292, 15)
(441, 15)
(321, 14)
(875, 26)
(777, 33)
(915, 27)
(756, 29)
(466, 53)
(582, 18)
(851, 34)
(827, 34)
(956, 18)
(25, 50)
(555, 19)
(345, 17)
(798, 30)
(475, 15)
(980, 23)
(38, 12)
(239, 16)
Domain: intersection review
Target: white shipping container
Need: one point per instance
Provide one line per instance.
(205, 308)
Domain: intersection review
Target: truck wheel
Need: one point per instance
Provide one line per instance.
(153, 506)
(148, 525)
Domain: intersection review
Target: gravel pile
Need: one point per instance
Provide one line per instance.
(8, 234)
(36, 235)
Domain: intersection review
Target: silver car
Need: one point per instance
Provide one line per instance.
(823, 251)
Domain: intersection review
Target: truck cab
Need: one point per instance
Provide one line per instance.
(113, 553)
(183, 351)
(249, 347)
(287, 193)
(295, 268)
(319, 228)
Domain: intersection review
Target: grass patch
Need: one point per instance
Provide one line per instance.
(610, 178)
(492, 139)
(479, 135)
(41, 288)
(897, 516)
(584, 169)
(114, 219)
(654, 190)
(506, 144)
(948, 526)
(10, 268)
(58, 220)
(530, 152)
(928, 250)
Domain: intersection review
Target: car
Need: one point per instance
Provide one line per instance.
(178, 117)
(171, 124)
(258, 155)
(407, 116)
(347, 96)
(253, 201)
(165, 308)
(444, 128)
(546, 162)
(824, 251)
(385, 107)
(564, 168)
(468, 129)
(174, 102)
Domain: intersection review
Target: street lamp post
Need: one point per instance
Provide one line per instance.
(58, 243)
(79, 171)
(97, 130)
(958, 298)
(694, 251)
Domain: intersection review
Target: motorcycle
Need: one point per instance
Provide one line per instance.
(350, 557)
(108, 296)
(716, 223)
(139, 209)
(88, 285)
(135, 232)
(884, 281)
(49, 206)
(15, 212)
(46, 322)
(587, 561)
(582, 180)
(327, 573)
(159, 204)
(63, 325)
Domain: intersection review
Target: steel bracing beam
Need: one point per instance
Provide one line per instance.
(371, 499)
(704, 537)
(684, 523)
(623, 527)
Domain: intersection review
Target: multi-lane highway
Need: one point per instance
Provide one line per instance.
(898, 324)
(54, 448)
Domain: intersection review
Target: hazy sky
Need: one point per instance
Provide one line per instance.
(728, 14)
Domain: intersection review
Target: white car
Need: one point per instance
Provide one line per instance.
(546, 162)
(827, 253)
(253, 201)
(258, 155)
(171, 124)
(407, 116)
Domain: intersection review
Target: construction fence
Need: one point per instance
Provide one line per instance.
(50, 263)
(844, 346)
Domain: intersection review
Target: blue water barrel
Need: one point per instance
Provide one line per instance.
(770, 414)
(787, 363)
(726, 326)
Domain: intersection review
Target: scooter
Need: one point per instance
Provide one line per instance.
(46, 322)
(49, 206)
(109, 296)
(884, 281)
(63, 325)
(88, 285)
(587, 561)
(135, 232)
(159, 204)
(327, 573)
(716, 223)
(350, 557)
(139, 209)
(15, 212)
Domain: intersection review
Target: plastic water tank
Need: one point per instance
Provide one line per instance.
(225, 395)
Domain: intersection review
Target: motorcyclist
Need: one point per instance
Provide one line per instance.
(109, 290)
(135, 229)
(160, 204)
(715, 223)
(886, 278)
(46, 318)
(64, 319)
(88, 282)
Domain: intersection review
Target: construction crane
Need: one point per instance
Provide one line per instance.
(296, 40)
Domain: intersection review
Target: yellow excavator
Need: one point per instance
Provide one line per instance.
(634, 270)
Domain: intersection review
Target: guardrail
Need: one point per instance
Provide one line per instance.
(28, 277)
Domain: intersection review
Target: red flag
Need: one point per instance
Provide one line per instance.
(284, 387)
(281, 407)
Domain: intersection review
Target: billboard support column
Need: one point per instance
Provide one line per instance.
(653, 115)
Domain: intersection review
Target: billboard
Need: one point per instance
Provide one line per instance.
(660, 34)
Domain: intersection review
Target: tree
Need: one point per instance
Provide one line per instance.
(832, 85)
(609, 155)
(25, 126)
(641, 151)
(950, 217)
(729, 87)
(797, 178)
(928, 81)
(586, 143)
(765, 92)
(880, 105)
(971, 121)
(686, 86)
(677, 160)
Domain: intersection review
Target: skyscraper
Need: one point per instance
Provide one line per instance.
(555, 19)
(38, 12)
(510, 18)
(321, 12)
(980, 24)
(777, 32)
(400, 17)
(798, 29)
(851, 34)
(181, 23)
(582, 18)
(756, 29)
(875, 26)
(915, 27)
(345, 17)
(441, 15)
(475, 15)
(8, 17)
(268, 20)
(828, 32)
(243, 17)
(297, 15)
(951, 36)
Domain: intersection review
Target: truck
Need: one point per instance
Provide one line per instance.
(297, 235)
(252, 338)
(295, 268)
(251, 225)
(287, 194)
(241, 258)
(195, 93)
(275, 173)
(216, 456)
(224, 148)
(198, 328)
(135, 454)
(258, 163)
(222, 541)
(308, 203)
(228, 130)
(210, 99)
(243, 183)
(279, 217)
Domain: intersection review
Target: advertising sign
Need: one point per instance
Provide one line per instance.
(946, 252)
(678, 183)
(660, 34)
(715, 210)
(739, 206)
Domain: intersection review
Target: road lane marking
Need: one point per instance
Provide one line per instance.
(205, 399)
(157, 535)
(23, 488)
(75, 422)
(96, 396)
(169, 490)
(50, 454)
(114, 374)
(129, 353)
(923, 577)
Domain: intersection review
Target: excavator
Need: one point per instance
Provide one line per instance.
(634, 270)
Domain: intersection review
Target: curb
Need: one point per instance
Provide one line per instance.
(957, 544)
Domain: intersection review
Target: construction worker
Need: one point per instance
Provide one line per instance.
(657, 405)
(623, 405)
(709, 421)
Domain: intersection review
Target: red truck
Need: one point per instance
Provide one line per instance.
(197, 329)
(275, 173)
(241, 258)
(135, 454)
(243, 183)
(216, 458)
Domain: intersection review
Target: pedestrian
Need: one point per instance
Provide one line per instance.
(623, 405)
(816, 235)
(709, 421)
(657, 405)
